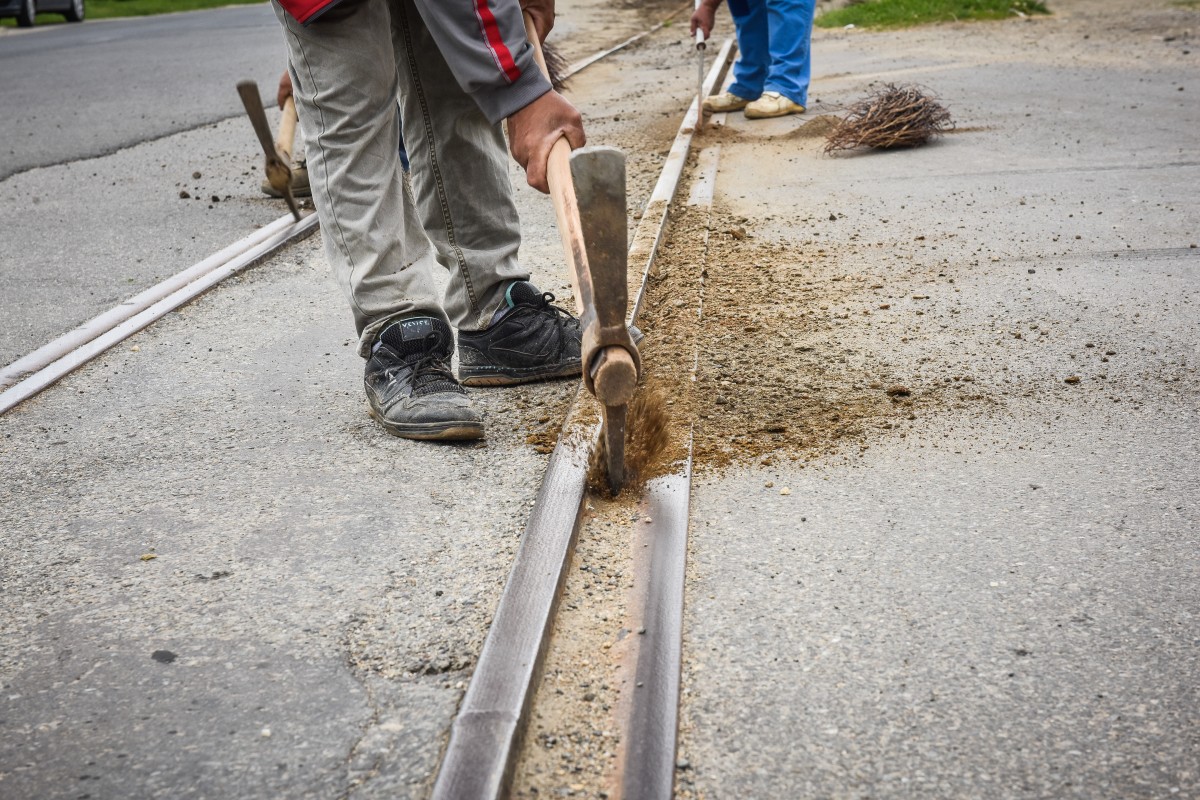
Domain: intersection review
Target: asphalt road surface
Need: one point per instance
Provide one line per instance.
(80, 91)
(104, 125)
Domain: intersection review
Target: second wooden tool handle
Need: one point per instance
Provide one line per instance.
(287, 131)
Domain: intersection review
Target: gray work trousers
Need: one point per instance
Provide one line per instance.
(384, 244)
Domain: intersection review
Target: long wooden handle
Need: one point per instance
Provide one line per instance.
(614, 366)
(562, 194)
(286, 139)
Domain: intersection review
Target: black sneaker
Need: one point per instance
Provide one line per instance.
(410, 387)
(532, 340)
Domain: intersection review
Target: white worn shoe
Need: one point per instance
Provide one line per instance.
(725, 101)
(772, 104)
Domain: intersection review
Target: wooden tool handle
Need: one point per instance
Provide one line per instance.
(286, 139)
(279, 166)
(612, 370)
(562, 194)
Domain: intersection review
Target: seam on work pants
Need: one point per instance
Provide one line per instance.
(340, 235)
(375, 243)
(471, 187)
(435, 168)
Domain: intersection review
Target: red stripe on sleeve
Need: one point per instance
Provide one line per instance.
(304, 10)
(495, 43)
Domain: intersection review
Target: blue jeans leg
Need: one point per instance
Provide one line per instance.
(754, 55)
(789, 25)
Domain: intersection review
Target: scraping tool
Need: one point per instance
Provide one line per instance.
(599, 175)
(279, 165)
(592, 225)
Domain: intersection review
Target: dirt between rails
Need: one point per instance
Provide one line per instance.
(764, 388)
(753, 379)
(810, 350)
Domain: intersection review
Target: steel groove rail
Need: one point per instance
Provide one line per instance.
(583, 64)
(43, 367)
(485, 737)
(650, 735)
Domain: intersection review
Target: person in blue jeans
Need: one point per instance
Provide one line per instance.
(774, 63)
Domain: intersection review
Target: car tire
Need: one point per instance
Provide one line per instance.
(27, 14)
(75, 12)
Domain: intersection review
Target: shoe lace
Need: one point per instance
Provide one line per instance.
(563, 319)
(430, 369)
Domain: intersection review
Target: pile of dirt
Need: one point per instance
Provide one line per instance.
(765, 384)
(819, 127)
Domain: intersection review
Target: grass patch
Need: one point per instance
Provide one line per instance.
(903, 13)
(1187, 3)
(107, 9)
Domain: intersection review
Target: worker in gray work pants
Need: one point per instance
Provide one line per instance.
(459, 67)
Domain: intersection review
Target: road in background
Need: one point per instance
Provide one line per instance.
(80, 91)
(106, 126)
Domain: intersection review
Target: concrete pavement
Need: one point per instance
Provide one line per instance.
(221, 578)
(117, 136)
(997, 596)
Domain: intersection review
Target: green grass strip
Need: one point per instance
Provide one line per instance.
(904, 13)
(107, 9)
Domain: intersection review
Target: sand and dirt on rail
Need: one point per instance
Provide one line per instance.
(826, 331)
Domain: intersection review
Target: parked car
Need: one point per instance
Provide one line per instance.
(26, 10)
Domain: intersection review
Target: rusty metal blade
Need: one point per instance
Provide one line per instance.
(599, 177)
(614, 446)
(291, 201)
(279, 172)
(252, 100)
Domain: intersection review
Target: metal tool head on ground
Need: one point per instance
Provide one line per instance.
(278, 166)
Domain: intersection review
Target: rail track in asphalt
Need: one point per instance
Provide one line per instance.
(487, 733)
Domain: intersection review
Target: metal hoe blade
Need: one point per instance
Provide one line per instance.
(614, 446)
(599, 176)
(279, 173)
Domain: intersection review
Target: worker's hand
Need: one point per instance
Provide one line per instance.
(542, 12)
(285, 88)
(534, 129)
(704, 19)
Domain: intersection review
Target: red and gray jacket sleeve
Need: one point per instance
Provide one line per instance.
(484, 43)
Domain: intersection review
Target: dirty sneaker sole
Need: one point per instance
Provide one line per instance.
(451, 431)
(511, 376)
